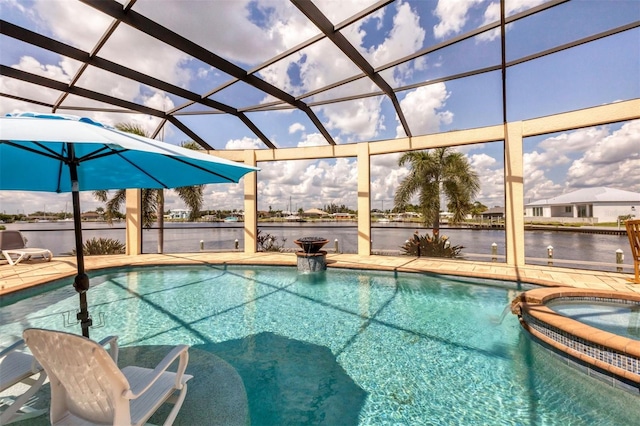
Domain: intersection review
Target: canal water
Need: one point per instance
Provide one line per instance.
(386, 239)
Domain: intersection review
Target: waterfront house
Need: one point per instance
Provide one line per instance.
(343, 216)
(587, 205)
(178, 214)
(91, 216)
(314, 213)
(493, 213)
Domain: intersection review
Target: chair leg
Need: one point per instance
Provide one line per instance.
(8, 257)
(19, 259)
(176, 406)
(11, 413)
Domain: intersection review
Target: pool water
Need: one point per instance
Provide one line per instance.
(620, 318)
(343, 347)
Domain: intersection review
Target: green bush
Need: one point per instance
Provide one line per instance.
(97, 246)
(267, 242)
(430, 246)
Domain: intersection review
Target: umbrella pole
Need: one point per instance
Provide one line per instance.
(81, 282)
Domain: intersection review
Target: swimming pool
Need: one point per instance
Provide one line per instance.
(343, 347)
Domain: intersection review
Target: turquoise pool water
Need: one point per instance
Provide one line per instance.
(621, 318)
(343, 348)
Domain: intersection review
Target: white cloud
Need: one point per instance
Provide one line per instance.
(612, 161)
(313, 139)
(296, 127)
(226, 196)
(26, 202)
(339, 10)
(492, 14)
(307, 184)
(19, 88)
(593, 157)
(63, 71)
(385, 178)
(32, 65)
(71, 22)
(223, 26)
(359, 119)
(491, 176)
(556, 150)
(244, 143)
(423, 109)
(406, 36)
(482, 161)
(453, 15)
(540, 187)
(322, 64)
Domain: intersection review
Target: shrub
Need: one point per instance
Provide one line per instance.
(96, 246)
(267, 242)
(430, 246)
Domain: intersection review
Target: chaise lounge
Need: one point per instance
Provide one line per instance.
(12, 244)
(18, 366)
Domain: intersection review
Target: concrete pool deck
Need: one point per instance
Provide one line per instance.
(35, 272)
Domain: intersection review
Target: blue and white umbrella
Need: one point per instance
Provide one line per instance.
(62, 153)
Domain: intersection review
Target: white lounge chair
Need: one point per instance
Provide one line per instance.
(87, 386)
(13, 244)
(18, 366)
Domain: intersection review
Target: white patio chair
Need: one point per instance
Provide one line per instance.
(18, 366)
(87, 387)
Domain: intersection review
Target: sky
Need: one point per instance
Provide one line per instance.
(247, 33)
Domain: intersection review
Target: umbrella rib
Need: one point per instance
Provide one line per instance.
(139, 168)
(49, 153)
(203, 169)
(60, 165)
(52, 154)
(179, 160)
(98, 153)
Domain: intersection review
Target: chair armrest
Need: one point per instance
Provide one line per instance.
(180, 351)
(112, 341)
(21, 344)
(17, 345)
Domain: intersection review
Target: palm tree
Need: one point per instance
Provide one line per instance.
(152, 199)
(435, 171)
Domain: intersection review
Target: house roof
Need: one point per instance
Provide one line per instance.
(315, 211)
(493, 211)
(591, 195)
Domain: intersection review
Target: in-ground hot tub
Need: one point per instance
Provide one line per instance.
(587, 327)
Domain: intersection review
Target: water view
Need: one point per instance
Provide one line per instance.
(386, 239)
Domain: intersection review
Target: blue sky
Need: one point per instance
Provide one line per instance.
(247, 33)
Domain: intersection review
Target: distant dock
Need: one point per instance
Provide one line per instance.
(582, 229)
(603, 230)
